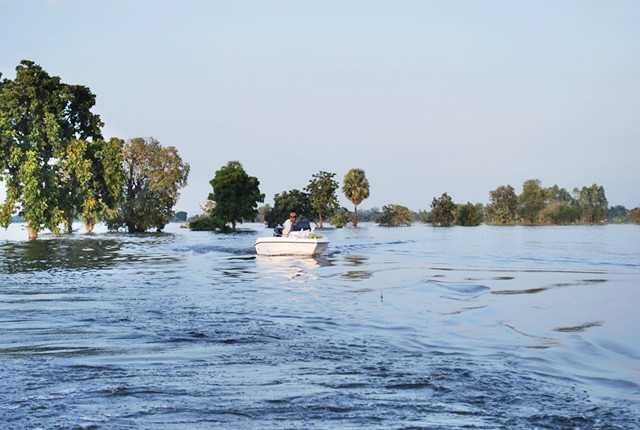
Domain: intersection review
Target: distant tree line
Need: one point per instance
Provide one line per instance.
(235, 196)
(318, 202)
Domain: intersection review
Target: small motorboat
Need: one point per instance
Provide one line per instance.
(300, 242)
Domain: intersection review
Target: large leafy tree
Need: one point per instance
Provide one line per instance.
(356, 189)
(153, 176)
(322, 195)
(531, 201)
(92, 180)
(443, 211)
(503, 206)
(39, 117)
(236, 194)
(592, 202)
(469, 215)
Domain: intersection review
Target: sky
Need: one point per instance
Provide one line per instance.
(426, 96)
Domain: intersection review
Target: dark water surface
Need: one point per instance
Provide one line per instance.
(460, 328)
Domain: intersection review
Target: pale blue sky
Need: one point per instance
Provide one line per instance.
(426, 96)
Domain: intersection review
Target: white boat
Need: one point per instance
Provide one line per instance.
(298, 243)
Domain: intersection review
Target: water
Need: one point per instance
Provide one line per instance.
(405, 328)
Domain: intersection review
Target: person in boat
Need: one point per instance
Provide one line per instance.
(288, 224)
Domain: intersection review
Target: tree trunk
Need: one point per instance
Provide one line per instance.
(355, 216)
(319, 220)
(32, 234)
(89, 227)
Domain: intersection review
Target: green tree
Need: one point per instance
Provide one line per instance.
(289, 201)
(91, 180)
(469, 215)
(635, 215)
(531, 201)
(39, 117)
(443, 211)
(340, 218)
(504, 202)
(395, 216)
(593, 203)
(236, 194)
(618, 214)
(153, 176)
(561, 207)
(322, 195)
(356, 190)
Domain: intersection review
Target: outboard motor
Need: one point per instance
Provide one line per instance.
(300, 225)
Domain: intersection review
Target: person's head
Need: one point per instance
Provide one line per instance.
(293, 216)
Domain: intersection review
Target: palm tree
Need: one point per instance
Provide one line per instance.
(355, 189)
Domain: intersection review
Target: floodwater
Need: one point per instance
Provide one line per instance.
(396, 328)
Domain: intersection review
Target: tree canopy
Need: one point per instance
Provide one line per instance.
(92, 180)
(153, 176)
(322, 195)
(356, 189)
(395, 216)
(503, 205)
(443, 211)
(40, 116)
(236, 194)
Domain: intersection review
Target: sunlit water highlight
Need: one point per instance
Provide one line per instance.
(415, 327)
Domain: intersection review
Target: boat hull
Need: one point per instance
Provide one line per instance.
(275, 246)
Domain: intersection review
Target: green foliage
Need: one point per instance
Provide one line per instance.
(395, 216)
(91, 180)
(635, 215)
(469, 215)
(39, 118)
(236, 194)
(592, 202)
(289, 201)
(153, 176)
(322, 195)
(356, 190)
(502, 209)
(560, 212)
(340, 217)
(442, 211)
(531, 201)
(207, 222)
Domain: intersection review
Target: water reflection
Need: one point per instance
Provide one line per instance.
(298, 269)
(58, 254)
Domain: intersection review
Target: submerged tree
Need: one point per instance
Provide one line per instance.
(322, 195)
(593, 203)
(469, 215)
(503, 206)
(443, 211)
(39, 117)
(395, 216)
(91, 180)
(236, 194)
(356, 190)
(153, 176)
(531, 201)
